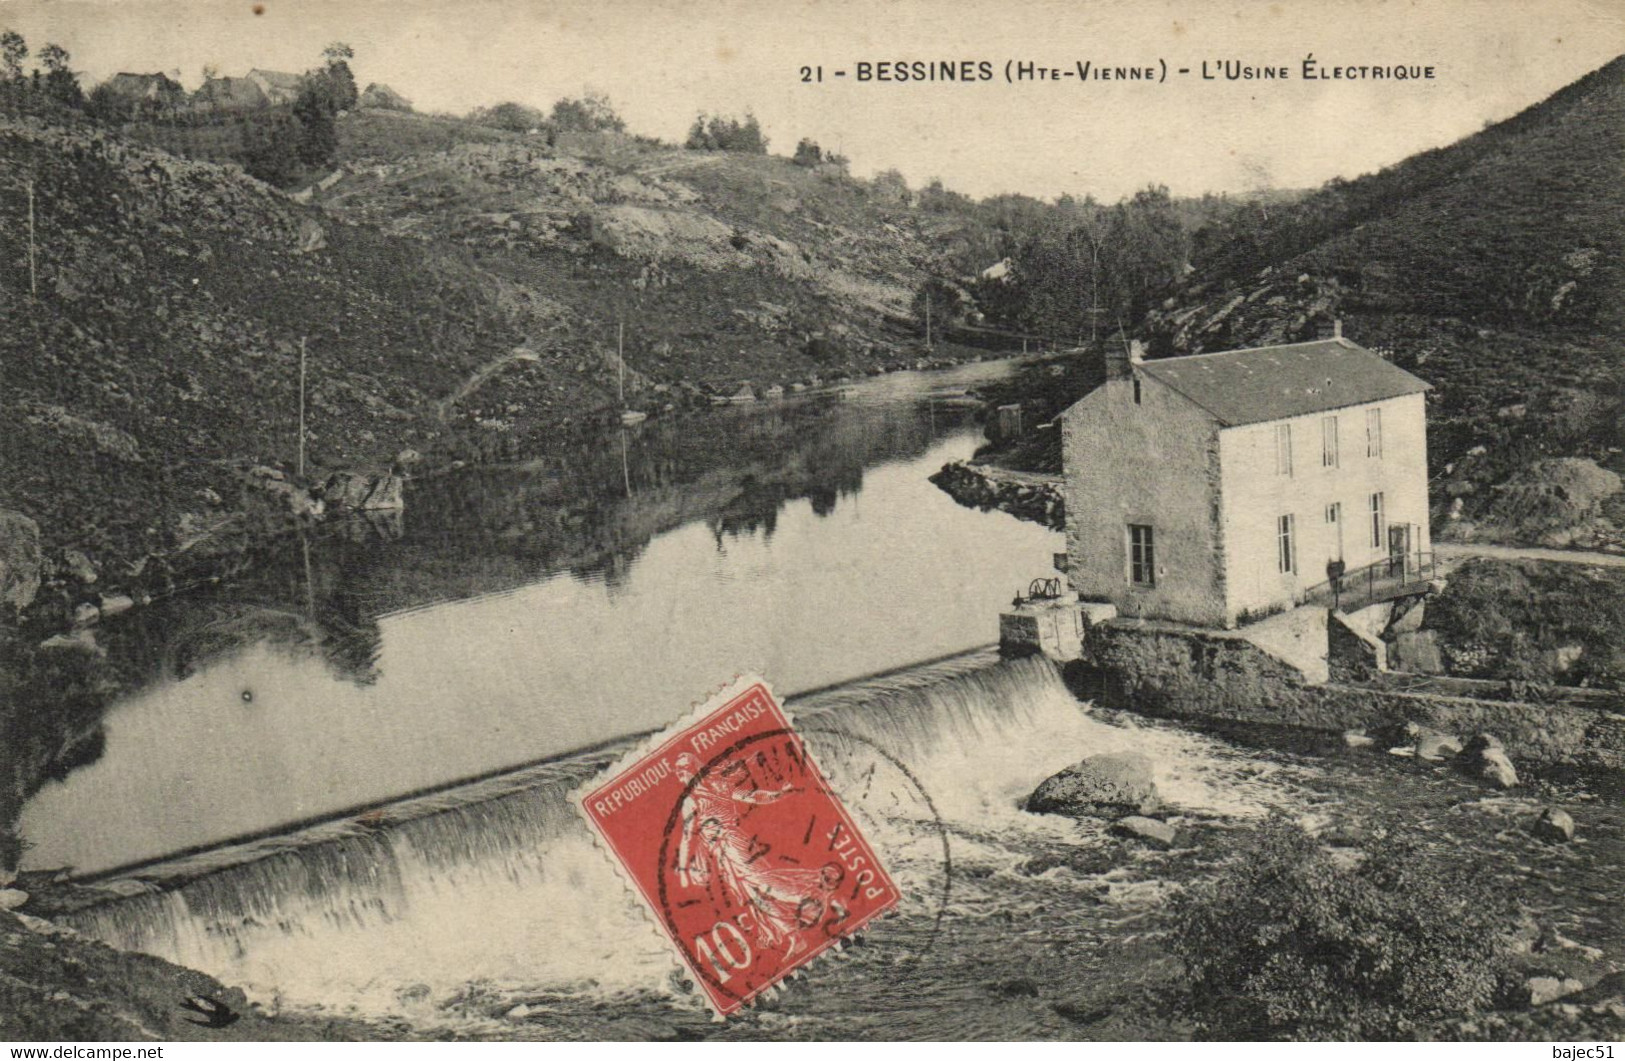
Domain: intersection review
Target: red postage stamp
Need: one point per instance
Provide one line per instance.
(731, 834)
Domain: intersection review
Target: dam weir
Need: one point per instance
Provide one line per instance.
(498, 881)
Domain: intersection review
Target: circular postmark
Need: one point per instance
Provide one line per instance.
(762, 868)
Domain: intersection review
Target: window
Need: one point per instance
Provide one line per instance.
(1283, 449)
(1334, 520)
(1142, 556)
(1373, 432)
(1136, 390)
(1376, 521)
(1288, 548)
(1328, 442)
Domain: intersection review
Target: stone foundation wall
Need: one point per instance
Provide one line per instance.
(1162, 669)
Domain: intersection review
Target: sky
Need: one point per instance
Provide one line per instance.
(663, 61)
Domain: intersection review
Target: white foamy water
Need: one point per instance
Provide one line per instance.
(511, 896)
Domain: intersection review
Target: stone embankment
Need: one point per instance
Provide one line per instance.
(1025, 495)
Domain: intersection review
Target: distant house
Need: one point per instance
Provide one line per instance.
(381, 97)
(230, 93)
(1201, 489)
(279, 88)
(151, 90)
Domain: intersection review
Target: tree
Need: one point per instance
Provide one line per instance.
(890, 185)
(61, 83)
(591, 113)
(936, 304)
(717, 133)
(808, 153)
(318, 136)
(340, 90)
(13, 50)
(514, 117)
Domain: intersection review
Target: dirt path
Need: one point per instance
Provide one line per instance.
(1465, 550)
(477, 380)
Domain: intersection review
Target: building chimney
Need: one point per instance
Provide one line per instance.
(1329, 328)
(1121, 359)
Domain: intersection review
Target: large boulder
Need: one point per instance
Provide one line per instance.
(1416, 653)
(1113, 785)
(1485, 758)
(20, 559)
(1554, 826)
(363, 491)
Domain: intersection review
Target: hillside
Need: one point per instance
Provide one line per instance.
(723, 266)
(1490, 268)
(458, 290)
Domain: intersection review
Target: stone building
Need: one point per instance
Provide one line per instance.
(1215, 488)
(278, 87)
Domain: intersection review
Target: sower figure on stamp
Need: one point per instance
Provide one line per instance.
(715, 848)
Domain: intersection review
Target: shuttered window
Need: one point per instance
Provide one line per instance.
(1142, 555)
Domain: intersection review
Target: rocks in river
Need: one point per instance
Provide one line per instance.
(20, 560)
(1554, 826)
(978, 486)
(1113, 785)
(1149, 830)
(1485, 758)
(1356, 738)
(12, 898)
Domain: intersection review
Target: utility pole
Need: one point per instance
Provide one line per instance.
(301, 407)
(928, 316)
(33, 278)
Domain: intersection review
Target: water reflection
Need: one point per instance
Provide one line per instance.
(522, 611)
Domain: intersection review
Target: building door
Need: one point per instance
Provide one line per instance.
(1399, 547)
(1334, 542)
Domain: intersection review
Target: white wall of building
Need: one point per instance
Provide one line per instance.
(1155, 463)
(1256, 494)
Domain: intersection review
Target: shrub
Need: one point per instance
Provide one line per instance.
(1289, 943)
(727, 134)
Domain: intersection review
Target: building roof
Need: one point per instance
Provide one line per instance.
(278, 86)
(142, 85)
(1278, 382)
(379, 94)
(231, 92)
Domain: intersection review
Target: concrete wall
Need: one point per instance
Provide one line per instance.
(1159, 669)
(1256, 495)
(1155, 463)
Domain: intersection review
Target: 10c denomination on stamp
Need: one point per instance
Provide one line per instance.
(729, 831)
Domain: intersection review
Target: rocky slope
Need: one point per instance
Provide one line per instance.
(1482, 266)
(457, 292)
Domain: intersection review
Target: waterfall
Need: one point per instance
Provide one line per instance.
(501, 883)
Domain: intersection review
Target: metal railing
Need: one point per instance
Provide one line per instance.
(1390, 577)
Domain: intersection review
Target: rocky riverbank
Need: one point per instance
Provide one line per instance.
(56, 985)
(1025, 495)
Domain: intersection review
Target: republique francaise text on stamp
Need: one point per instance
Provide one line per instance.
(731, 834)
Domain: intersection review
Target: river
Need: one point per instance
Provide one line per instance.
(540, 616)
(517, 613)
